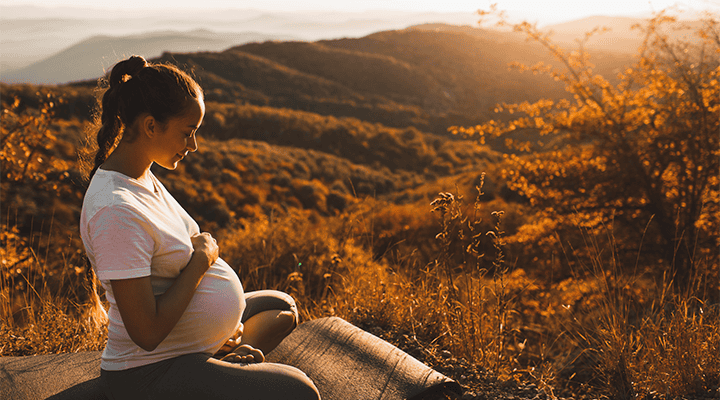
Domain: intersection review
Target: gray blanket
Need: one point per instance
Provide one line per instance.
(344, 361)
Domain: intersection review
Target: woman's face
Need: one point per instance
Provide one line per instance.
(177, 136)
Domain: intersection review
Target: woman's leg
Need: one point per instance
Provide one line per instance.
(269, 316)
(265, 330)
(263, 300)
(199, 376)
(134, 383)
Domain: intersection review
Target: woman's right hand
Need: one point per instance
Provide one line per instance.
(205, 245)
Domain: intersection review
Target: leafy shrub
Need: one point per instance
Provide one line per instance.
(641, 154)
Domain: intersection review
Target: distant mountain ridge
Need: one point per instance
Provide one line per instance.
(32, 33)
(86, 60)
(91, 57)
(427, 78)
(622, 36)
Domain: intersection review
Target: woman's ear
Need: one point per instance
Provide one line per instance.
(148, 126)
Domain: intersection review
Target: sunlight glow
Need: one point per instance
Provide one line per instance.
(541, 11)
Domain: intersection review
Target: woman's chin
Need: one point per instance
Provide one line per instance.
(169, 165)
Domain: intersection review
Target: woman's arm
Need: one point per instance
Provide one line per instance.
(149, 319)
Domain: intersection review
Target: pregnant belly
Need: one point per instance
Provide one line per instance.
(214, 312)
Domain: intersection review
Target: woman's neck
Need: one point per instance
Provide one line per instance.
(128, 159)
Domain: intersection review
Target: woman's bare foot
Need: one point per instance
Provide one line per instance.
(244, 354)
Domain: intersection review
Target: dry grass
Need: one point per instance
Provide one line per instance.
(43, 313)
(606, 331)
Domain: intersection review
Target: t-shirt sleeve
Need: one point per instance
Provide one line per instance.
(122, 243)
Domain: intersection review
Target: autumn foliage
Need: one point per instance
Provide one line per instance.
(640, 155)
(25, 139)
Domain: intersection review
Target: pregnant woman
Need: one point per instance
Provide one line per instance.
(180, 325)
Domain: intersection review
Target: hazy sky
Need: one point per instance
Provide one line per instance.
(541, 10)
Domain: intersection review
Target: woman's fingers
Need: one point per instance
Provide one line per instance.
(239, 332)
(227, 347)
(207, 244)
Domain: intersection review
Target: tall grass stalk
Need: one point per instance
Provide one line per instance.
(43, 311)
(478, 308)
(646, 337)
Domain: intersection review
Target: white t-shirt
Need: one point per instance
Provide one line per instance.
(133, 229)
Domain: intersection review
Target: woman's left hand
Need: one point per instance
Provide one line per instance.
(231, 343)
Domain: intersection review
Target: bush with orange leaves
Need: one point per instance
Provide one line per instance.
(642, 154)
(25, 137)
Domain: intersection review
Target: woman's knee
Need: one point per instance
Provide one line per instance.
(271, 322)
(287, 321)
(280, 381)
(309, 391)
(302, 387)
(265, 300)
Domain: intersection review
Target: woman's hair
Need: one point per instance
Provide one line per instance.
(135, 87)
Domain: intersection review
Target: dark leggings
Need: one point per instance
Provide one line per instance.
(199, 376)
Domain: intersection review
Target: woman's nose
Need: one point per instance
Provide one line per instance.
(191, 143)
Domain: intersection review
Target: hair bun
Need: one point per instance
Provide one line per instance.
(126, 69)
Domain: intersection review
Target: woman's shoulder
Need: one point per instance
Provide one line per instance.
(106, 185)
(111, 191)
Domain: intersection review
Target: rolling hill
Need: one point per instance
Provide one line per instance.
(429, 77)
(92, 56)
(33, 33)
